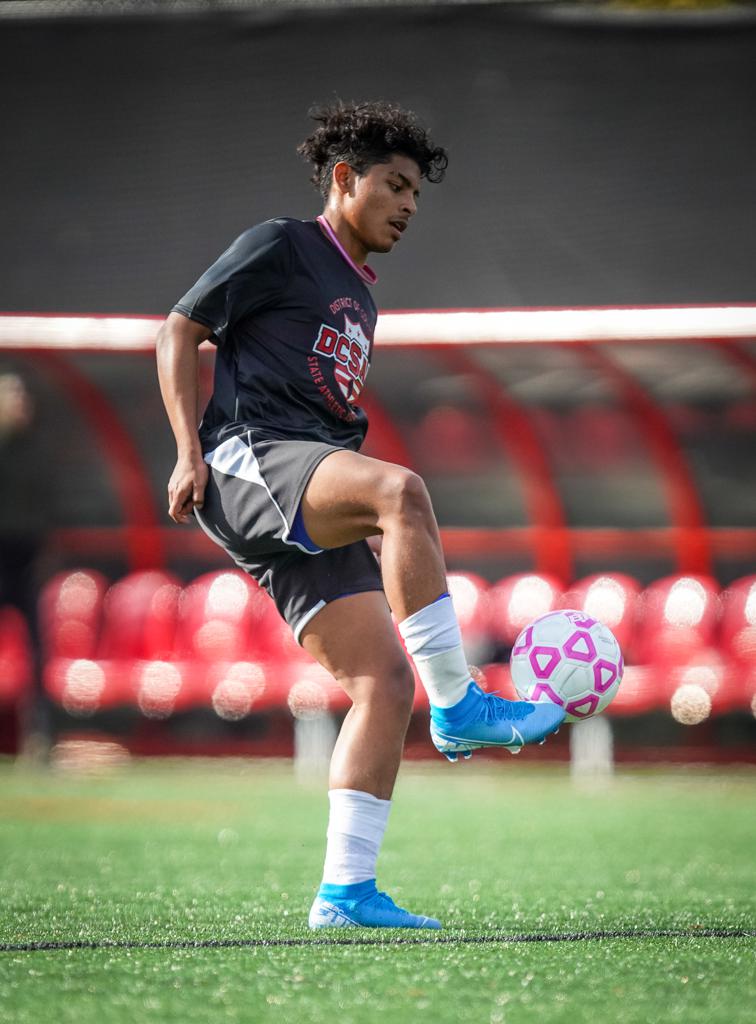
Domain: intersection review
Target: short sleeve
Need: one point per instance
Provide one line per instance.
(250, 275)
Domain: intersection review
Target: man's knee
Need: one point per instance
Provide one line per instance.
(392, 687)
(401, 688)
(403, 493)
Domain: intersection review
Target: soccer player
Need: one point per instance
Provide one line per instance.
(274, 476)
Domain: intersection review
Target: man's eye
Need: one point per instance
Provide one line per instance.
(394, 187)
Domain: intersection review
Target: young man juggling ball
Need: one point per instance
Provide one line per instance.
(274, 475)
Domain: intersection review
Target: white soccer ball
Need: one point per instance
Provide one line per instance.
(569, 658)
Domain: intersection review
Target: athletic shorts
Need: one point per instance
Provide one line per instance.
(252, 510)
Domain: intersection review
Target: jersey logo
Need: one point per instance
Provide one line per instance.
(349, 349)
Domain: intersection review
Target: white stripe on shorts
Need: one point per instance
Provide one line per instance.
(235, 458)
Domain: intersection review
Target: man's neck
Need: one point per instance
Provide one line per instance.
(343, 231)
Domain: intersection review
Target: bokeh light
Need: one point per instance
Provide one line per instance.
(241, 684)
(217, 638)
(606, 601)
(468, 597)
(228, 597)
(690, 704)
(159, 686)
(78, 596)
(307, 699)
(707, 676)
(531, 597)
(83, 688)
(88, 756)
(686, 603)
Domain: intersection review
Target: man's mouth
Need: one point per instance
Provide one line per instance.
(400, 225)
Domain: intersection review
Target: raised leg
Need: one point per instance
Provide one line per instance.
(351, 497)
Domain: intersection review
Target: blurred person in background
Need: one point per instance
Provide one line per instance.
(24, 522)
(274, 475)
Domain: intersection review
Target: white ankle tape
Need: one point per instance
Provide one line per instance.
(445, 676)
(433, 630)
(434, 642)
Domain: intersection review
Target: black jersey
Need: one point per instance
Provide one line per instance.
(294, 323)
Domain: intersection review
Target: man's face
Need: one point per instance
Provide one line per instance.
(380, 203)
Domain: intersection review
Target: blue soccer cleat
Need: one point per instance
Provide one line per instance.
(485, 720)
(361, 906)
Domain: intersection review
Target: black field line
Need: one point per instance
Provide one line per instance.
(441, 940)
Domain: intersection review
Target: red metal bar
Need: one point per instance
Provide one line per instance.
(549, 540)
(691, 538)
(177, 542)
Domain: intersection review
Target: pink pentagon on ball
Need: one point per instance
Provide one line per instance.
(604, 674)
(584, 707)
(577, 640)
(523, 641)
(544, 690)
(543, 671)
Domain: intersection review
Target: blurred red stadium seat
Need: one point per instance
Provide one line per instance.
(220, 643)
(678, 616)
(70, 613)
(137, 635)
(139, 616)
(216, 615)
(516, 600)
(738, 628)
(15, 655)
(612, 599)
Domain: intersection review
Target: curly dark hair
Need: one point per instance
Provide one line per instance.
(363, 134)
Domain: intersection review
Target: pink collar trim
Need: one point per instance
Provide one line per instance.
(366, 273)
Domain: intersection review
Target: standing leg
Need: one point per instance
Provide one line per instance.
(354, 638)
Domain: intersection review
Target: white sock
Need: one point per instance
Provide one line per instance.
(434, 642)
(356, 825)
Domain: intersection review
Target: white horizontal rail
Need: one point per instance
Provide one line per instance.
(674, 323)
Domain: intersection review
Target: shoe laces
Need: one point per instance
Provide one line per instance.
(497, 708)
(383, 898)
(384, 901)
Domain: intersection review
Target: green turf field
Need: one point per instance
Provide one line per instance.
(161, 864)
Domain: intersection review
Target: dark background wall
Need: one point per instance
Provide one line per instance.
(589, 165)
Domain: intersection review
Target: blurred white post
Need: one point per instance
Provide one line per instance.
(314, 740)
(591, 748)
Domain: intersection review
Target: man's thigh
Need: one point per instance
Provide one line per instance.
(355, 639)
(342, 501)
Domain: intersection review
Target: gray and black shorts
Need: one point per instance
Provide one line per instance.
(252, 510)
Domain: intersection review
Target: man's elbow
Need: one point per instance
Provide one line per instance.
(179, 331)
(161, 336)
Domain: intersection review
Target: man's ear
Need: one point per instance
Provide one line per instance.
(343, 177)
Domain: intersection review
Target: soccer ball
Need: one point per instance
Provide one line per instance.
(570, 659)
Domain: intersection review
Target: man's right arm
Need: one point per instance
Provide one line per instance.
(177, 350)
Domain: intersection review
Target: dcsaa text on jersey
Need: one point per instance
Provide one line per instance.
(350, 350)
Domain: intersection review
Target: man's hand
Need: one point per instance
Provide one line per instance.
(186, 488)
(177, 351)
